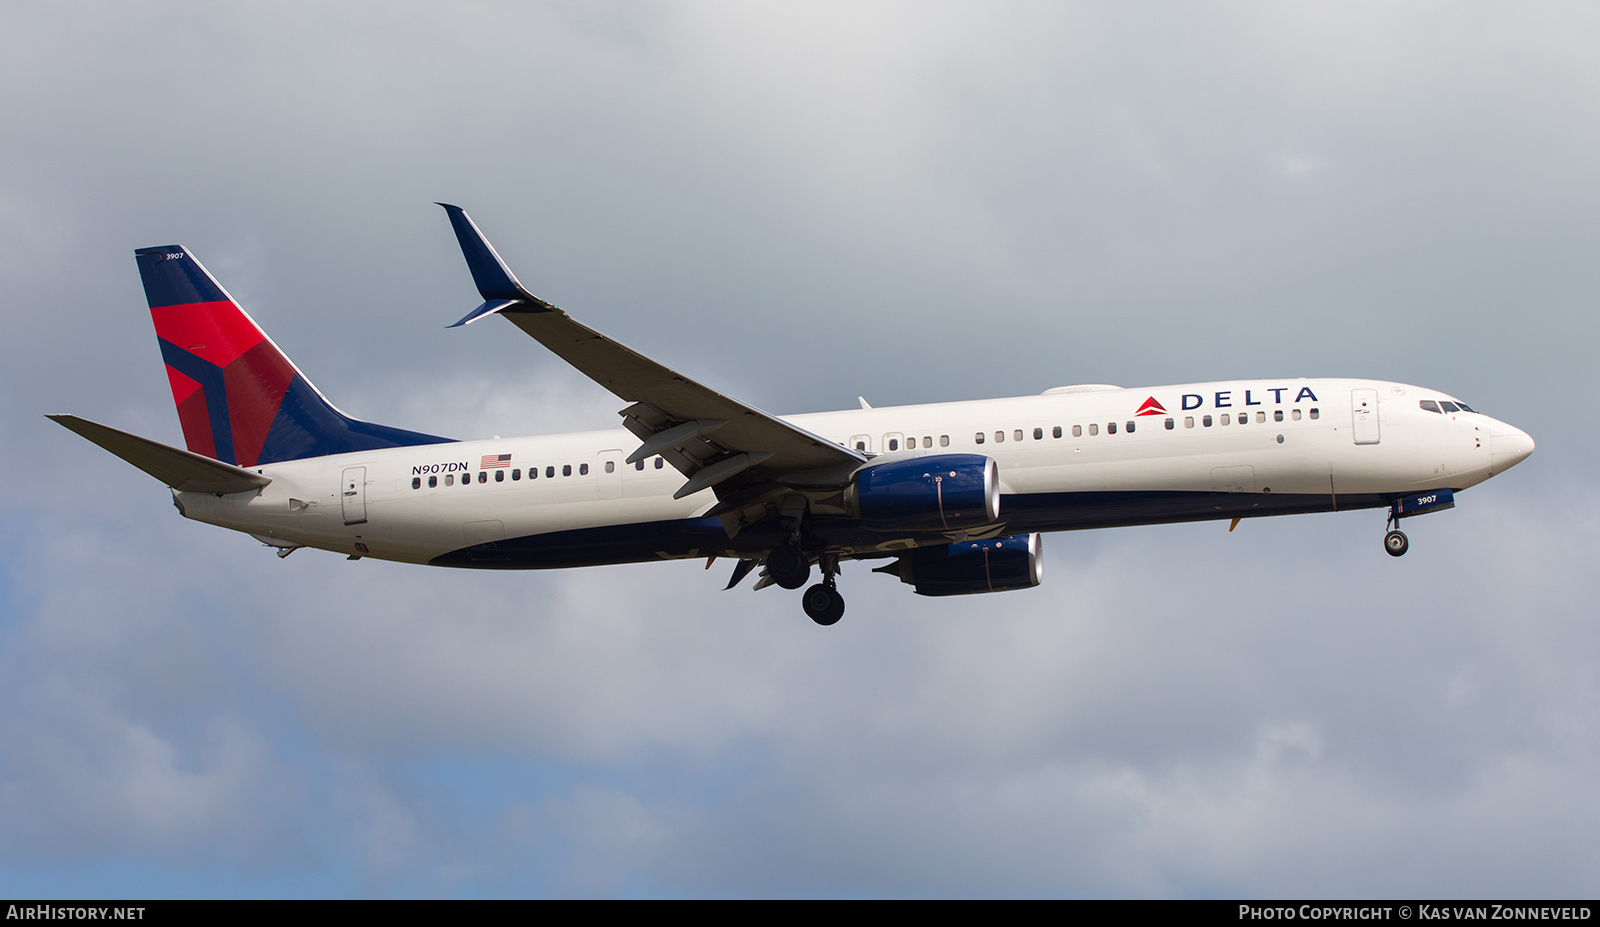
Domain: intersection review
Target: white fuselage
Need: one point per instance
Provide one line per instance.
(1294, 438)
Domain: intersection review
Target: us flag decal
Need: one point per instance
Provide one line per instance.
(494, 461)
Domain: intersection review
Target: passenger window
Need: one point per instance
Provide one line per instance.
(566, 469)
(433, 482)
(1314, 414)
(1055, 432)
(516, 475)
(1294, 414)
(1038, 434)
(1130, 428)
(550, 472)
(977, 438)
(927, 440)
(611, 466)
(1205, 421)
(416, 482)
(659, 463)
(1077, 431)
(1016, 435)
(861, 445)
(1223, 419)
(1169, 424)
(1188, 421)
(1111, 428)
(894, 444)
(1277, 415)
(449, 479)
(583, 469)
(999, 437)
(483, 476)
(499, 476)
(1094, 428)
(638, 465)
(1261, 418)
(944, 440)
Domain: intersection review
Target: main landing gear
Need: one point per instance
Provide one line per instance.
(823, 603)
(789, 567)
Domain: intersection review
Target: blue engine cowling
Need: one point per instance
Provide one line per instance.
(995, 565)
(935, 493)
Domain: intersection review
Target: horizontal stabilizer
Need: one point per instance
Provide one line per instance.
(182, 470)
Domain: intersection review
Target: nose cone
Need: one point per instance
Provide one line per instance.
(1509, 449)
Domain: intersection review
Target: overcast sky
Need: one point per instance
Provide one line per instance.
(800, 204)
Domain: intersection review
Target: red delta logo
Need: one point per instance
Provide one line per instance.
(1151, 407)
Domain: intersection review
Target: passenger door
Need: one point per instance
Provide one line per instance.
(1364, 415)
(353, 495)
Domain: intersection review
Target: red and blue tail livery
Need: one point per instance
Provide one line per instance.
(240, 400)
(952, 495)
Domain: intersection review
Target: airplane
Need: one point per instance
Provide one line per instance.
(953, 497)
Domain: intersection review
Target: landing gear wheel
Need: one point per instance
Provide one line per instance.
(788, 566)
(823, 604)
(1395, 543)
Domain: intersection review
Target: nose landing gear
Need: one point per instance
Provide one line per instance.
(1436, 500)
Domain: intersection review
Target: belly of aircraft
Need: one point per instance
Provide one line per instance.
(1020, 513)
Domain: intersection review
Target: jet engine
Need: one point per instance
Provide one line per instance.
(943, 491)
(995, 565)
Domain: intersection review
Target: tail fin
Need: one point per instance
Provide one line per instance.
(240, 400)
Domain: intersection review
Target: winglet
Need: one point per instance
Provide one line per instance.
(496, 283)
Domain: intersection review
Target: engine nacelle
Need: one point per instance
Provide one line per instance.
(935, 493)
(996, 565)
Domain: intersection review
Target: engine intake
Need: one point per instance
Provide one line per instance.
(935, 493)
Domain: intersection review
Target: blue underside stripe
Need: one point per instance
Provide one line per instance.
(648, 541)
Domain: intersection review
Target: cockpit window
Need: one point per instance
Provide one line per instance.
(1466, 408)
(1449, 406)
(1428, 405)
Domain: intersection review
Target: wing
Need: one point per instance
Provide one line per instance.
(714, 440)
